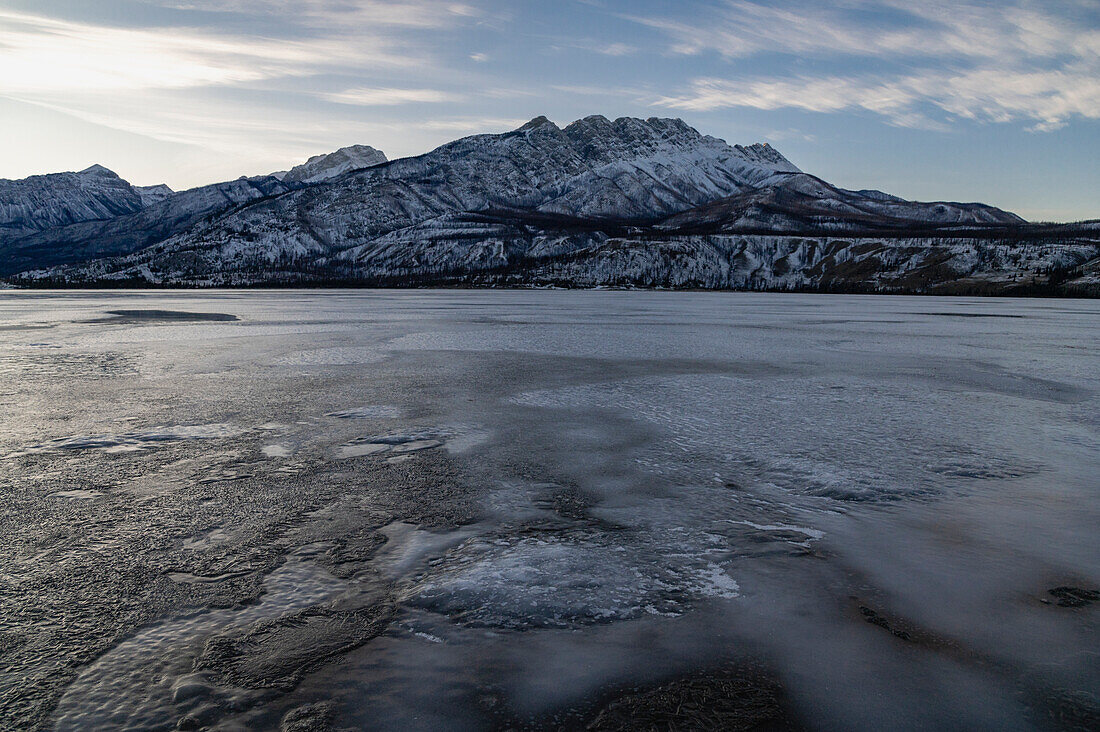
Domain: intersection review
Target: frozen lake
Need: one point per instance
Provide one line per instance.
(547, 509)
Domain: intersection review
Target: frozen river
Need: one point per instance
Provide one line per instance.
(546, 509)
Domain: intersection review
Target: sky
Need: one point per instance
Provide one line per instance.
(928, 99)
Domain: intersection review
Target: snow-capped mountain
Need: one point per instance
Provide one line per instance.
(71, 217)
(330, 165)
(629, 201)
(131, 232)
(46, 201)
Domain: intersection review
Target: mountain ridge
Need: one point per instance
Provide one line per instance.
(536, 201)
(45, 201)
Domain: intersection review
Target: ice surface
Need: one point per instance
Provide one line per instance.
(560, 493)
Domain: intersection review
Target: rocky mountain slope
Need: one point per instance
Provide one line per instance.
(132, 231)
(46, 201)
(598, 202)
(71, 217)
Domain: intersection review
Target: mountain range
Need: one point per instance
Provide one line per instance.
(629, 202)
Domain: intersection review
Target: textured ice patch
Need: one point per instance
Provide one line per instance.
(713, 581)
(76, 493)
(796, 535)
(809, 533)
(207, 539)
(372, 411)
(968, 464)
(395, 443)
(563, 581)
(774, 432)
(341, 356)
(145, 682)
(466, 440)
(133, 441)
(361, 450)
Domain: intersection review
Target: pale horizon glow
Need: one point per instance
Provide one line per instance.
(927, 99)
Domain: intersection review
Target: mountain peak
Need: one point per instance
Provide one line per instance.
(329, 165)
(99, 170)
(536, 123)
(58, 199)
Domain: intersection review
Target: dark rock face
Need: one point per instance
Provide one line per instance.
(599, 202)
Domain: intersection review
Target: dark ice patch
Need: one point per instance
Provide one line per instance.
(276, 654)
(132, 441)
(1074, 596)
(393, 444)
(373, 411)
(874, 618)
(164, 316)
(970, 315)
(726, 700)
(318, 717)
(28, 326)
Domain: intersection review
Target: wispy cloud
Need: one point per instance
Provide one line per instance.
(41, 55)
(343, 14)
(887, 28)
(615, 49)
(389, 96)
(470, 125)
(1046, 100)
(229, 87)
(1023, 61)
(584, 90)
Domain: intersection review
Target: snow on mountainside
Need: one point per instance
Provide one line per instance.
(153, 194)
(131, 232)
(632, 202)
(593, 169)
(323, 167)
(44, 201)
(806, 203)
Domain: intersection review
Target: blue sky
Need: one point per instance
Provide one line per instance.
(967, 100)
